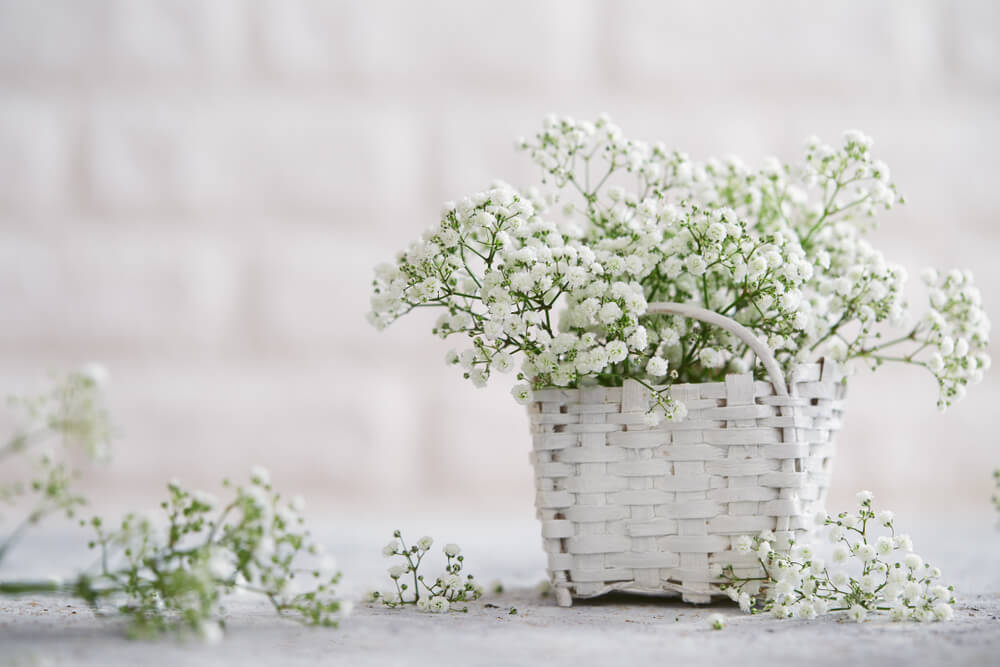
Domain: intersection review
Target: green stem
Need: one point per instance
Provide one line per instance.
(28, 586)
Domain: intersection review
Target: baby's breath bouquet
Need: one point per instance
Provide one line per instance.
(558, 280)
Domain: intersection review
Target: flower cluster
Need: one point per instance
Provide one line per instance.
(887, 576)
(56, 427)
(562, 279)
(438, 597)
(174, 574)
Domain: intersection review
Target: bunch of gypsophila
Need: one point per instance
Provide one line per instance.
(409, 586)
(172, 571)
(56, 432)
(558, 280)
(870, 573)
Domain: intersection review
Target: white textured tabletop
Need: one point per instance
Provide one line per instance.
(611, 630)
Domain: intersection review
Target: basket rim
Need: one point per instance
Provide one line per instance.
(823, 368)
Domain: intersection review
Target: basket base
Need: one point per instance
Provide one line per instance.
(564, 598)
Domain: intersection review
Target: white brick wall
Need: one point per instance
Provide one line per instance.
(195, 192)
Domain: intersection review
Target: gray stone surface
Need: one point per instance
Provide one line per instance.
(610, 630)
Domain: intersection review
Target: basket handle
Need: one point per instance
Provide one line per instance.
(758, 347)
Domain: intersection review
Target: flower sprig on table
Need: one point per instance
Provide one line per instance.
(562, 279)
(796, 583)
(58, 428)
(439, 596)
(173, 572)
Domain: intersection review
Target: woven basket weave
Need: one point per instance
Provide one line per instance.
(625, 506)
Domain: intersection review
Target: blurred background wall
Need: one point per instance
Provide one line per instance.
(194, 192)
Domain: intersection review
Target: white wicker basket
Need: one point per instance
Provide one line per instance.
(625, 506)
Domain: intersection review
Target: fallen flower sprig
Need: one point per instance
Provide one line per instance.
(888, 576)
(71, 414)
(439, 596)
(174, 575)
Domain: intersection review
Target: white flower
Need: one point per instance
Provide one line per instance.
(638, 340)
(716, 621)
(265, 548)
(716, 232)
(903, 542)
(397, 571)
(804, 609)
(695, 265)
(885, 518)
(912, 591)
(836, 533)
(733, 593)
(884, 545)
(657, 366)
(756, 267)
(220, 564)
(609, 312)
(298, 503)
(711, 358)
(452, 549)
(204, 498)
(939, 593)
(390, 549)
(899, 612)
(438, 604)
(425, 542)
(617, 351)
(96, 373)
(503, 362)
(865, 552)
(369, 596)
(744, 601)
(864, 497)
(744, 544)
(943, 611)
(785, 587)
(652, 418)
(897, 575)
(913, 561)
(260, 475)
(841, 553)
(840, 579)
(521, 393)
(857, 613)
